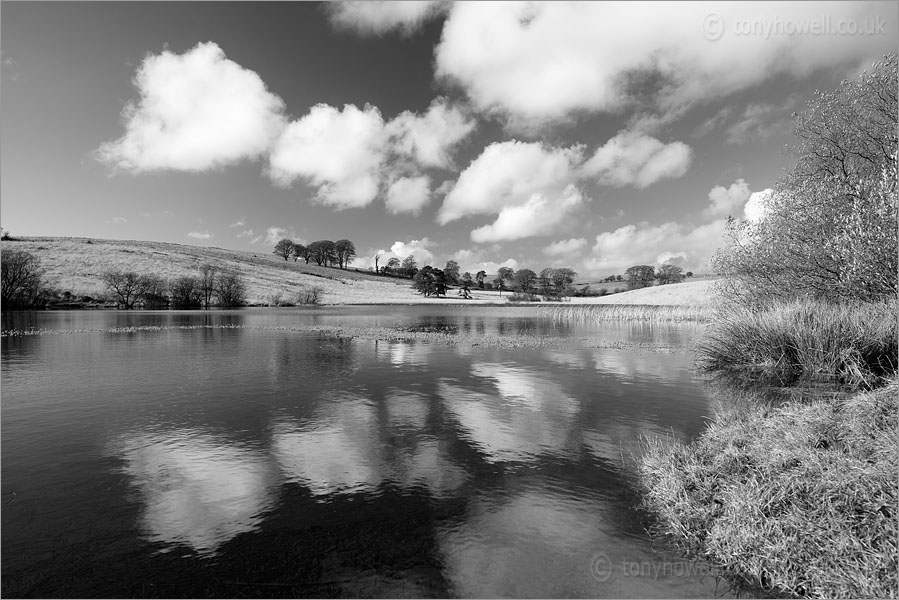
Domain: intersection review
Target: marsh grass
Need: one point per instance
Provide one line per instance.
(855, 345)
(800, 498)
(589, 313)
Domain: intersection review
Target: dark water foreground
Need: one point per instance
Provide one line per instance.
(250, 457)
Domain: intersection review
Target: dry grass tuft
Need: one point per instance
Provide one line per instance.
(801, 498)
(856, 345)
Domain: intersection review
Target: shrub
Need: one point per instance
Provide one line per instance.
(310, 296)
(187, 292)
(230, 289)
(829, 228)
(522, 297)
(22, 284)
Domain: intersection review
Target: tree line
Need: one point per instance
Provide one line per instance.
(210, 286)
(550, 282)
(23, 285)
(641, 276)
(323, 252)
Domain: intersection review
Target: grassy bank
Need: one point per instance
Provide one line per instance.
(854, 345)
(800, 498)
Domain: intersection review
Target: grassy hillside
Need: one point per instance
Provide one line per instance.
(688, 293)
(76, 264)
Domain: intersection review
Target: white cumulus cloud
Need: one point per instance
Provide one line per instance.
(374, 17)
(409, 194)
(509, 174)
(473, 260)
(539, 62)
(565, 247)
(400, 250)
(632, 158)
(645, 244)
(352, 154)
(197, 111)
(539, 215)
(678, 259)
(200, 235)
(428, 138)
(338, 151)
(756, 205)
(273, 235)
(724, 201)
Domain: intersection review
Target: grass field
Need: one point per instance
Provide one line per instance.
(689, 293)
(76, 265)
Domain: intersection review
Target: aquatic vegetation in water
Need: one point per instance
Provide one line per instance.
(628, 312)
(854, 344)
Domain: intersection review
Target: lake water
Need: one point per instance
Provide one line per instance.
(245, 453)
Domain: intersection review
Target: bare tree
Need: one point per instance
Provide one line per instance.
(301, 251)
(393, 265)
(284, 248)
(410, 266)
(323, 252)
(22, 283)
(187, 292)
(345, 251)
(829, 228)
(207, 283)
(155, 292)
(126, 287)
(230, 289)
(504, 275)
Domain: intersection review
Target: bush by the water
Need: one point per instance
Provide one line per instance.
(22, 284)
(524, 297)
(310, 296)
(853, 344)
(801, 498)
(828, 230)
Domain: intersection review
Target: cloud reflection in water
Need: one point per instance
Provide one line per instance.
(530, 416)
(197, 489)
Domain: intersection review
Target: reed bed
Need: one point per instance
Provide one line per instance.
(800, 499)
(588, 313)
(856, 345)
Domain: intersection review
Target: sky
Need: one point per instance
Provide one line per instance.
(590, 135)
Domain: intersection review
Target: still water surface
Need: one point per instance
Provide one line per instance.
(249, 458)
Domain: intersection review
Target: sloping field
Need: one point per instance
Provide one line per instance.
(76, 264)
(689, 293)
